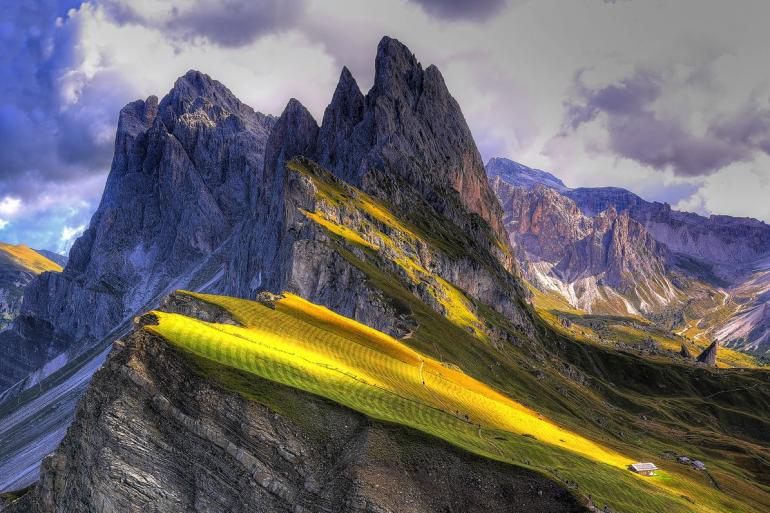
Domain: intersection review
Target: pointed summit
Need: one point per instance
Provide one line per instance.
(294, 134)
(336, 150)
(409, 131)
(709, 355)
(195, 90)
(396, 70)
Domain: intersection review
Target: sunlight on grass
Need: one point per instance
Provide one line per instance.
(312, 348)
(29, 258)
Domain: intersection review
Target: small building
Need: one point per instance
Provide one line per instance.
(645, 469)
(684, 460)
(698, 465)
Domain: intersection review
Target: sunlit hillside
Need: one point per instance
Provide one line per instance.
(631, 333)
(303, 345)
(28, 258)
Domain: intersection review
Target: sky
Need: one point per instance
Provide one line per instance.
(670, 99)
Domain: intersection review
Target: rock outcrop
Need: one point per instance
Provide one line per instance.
(709, 355)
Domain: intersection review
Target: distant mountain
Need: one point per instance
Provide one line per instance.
(605, 263)
(53, 256)
(520, 175)
(18, 266)
(607, 250)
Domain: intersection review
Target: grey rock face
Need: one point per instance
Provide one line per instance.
(182, 177)
(13, 279)
(16, 356)
(618, 247)
(408, 130)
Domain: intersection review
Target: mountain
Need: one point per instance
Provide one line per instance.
(199, 196)
(519, 175)
(606, 263)
(358, 338)
(181, 179)
(686, 272)
(18, 266)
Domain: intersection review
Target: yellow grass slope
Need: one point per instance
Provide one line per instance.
(311, 348)
(28, 258)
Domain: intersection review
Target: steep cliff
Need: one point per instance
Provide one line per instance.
(18, 266)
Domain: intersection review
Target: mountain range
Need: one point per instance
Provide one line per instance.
(607, 251)
(270, 314)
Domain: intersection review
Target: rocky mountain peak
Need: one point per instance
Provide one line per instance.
(193, 85)
(346, 110)
(397, 72)
(519, 175)
(408, 131)
(709, 355)
(295, 133)
(196, 93)
(415, 128)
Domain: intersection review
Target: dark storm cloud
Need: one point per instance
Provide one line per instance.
(638, 132)
(630, 95)
(48, 150)
(478, 10)
(229, 23)
(33, 126)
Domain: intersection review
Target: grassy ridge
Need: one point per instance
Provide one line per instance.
(28, 258)
(311, 348)
(648, 406)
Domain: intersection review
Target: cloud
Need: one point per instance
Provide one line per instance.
(639, 130)
(230, 23)
(52, 139)
(68, 236)
(9, 206)
(478, 10)
(68, 71)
